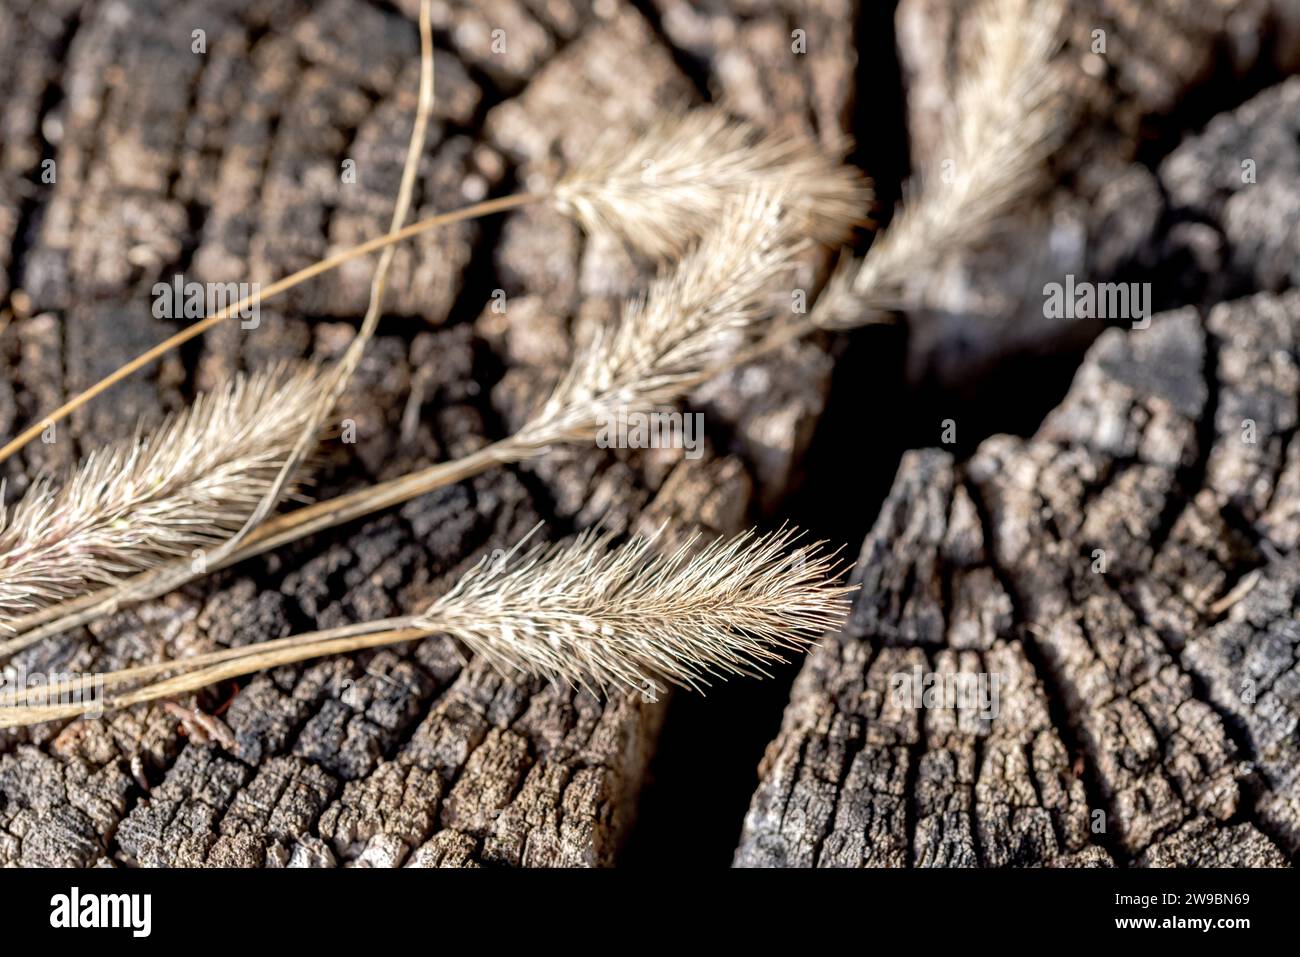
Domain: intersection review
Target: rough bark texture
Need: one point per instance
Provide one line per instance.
(225, 166)
(1129, 573)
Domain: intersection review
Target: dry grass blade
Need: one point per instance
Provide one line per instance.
(139, 503)
(1007, 118)
(277, 531)
(74, 697)
(265, 294)
(347, 366)
(579, 613)
(666, 187)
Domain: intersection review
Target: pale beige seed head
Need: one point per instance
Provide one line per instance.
(585, 614)
(137, 504)
(688, 324)
(665, 188)
(1007, 118)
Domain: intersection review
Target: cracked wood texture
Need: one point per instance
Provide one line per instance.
(1129, 573)
(224, 165)
(127, 158)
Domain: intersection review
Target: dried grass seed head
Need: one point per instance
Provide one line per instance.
(689, 322)
(665, 188)
(138, 503)
(585, 614)
(1008, 117)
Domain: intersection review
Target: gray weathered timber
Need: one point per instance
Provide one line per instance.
(1139, 554)
(224, 166)
(856, 779)
(1130, 572)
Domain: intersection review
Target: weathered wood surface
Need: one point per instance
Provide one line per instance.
(1130, 572)
(226, 166)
